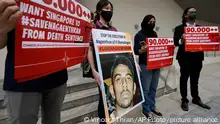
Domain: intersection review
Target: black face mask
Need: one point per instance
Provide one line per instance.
(151, 26)
(106, 15)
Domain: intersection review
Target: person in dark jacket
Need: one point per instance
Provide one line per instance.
(190, 62)
(149, 78)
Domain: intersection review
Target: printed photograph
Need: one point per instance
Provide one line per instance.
(121, 83)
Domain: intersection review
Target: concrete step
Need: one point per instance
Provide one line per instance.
(77, 101)
(80, 91)
(1, 94)
(3, 114)
(77, 106)
(71, 88)
(73, 116)
(76, 115)
(89, 122)
(2, 99)
(80, 98)
(77, 83)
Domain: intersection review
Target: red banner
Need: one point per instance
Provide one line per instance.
(51, 35)
(160, 52)
(201, 38)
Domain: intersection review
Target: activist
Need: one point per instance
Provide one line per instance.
(190, 62)
(149, 78)
(25, 98)
(104, 13)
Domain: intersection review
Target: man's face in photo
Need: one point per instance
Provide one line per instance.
(124, 86)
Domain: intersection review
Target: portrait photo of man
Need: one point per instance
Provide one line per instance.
(123, 86)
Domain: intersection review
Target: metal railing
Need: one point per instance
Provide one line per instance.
(212, 54)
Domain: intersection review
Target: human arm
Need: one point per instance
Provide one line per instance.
(92, 65)
(140, 46)
(178, 37)
(9, 14)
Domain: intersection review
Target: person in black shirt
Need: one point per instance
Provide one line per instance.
(190, 62)
(149, 78)
(25, 98)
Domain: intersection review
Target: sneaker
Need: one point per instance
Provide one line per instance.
(157, 113)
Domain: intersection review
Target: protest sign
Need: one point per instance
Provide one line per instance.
(121, 87)
(160, 52)
(51, 35)
(204, 38)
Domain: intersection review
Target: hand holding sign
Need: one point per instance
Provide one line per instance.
(183, 36)
(9, 14)
(181, 41)
(144, 47)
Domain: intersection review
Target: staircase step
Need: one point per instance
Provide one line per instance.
(3, 111)
(75, 78)
(80, 98)
(71, 114)
(75, 115)
(4, 121)
(72, 87)
(90, 122)
(81, 118)
(2, 93)
(81, 94)
(80, 87)
(77, 83)
(72, 100)
(3, 114)
(2, 102)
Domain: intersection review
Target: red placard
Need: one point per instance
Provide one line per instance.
(160, 52)
(51, 35)
(202, 38)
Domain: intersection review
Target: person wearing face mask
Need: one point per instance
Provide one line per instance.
(104, 13)
(190, 62)
(149, 78)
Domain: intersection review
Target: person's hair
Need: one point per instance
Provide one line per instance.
(100, 5)
(184, 13)
(124, 61)
(145, 20)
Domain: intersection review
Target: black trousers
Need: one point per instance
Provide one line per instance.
(190, 68)
(101, 109)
